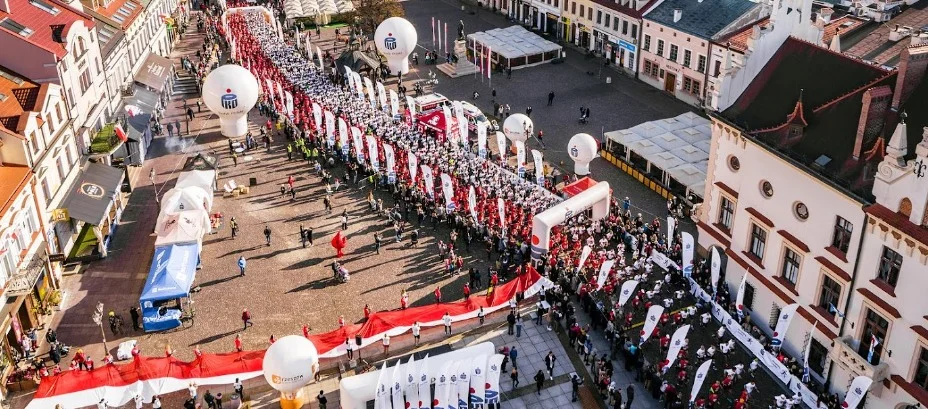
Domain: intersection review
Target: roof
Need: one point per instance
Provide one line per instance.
(704, 19)
(109, 36)
(916, 116)
(899, 221)
(154, 73)
(45, 29)
(738, 40)
(13, 179)
(787, 93)
(846, 25)
(18, 95)
(626, 10)
(90, 197)
(120, 12)
(514, 42)
(875, 45)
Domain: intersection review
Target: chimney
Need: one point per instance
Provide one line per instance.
(5, 6)
(872, 117)
(825, 15)
(911, 71)
(677, 15)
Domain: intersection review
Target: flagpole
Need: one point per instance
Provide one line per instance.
(433, 32)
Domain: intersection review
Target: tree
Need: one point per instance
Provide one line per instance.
(368, 14)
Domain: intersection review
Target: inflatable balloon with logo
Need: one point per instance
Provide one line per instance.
(289, 365)
(231, 91)
(396, 39)
(518, 127)
(582, 148)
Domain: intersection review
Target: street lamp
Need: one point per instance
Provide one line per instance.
(98, 319)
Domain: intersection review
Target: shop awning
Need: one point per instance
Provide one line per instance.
(90, 197)
(172, 272)
(139, 108)
(155, 72)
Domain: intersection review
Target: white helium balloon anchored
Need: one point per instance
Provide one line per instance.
(518, 127)
(582, 148)
(396, 39)
(231, 91)
(289, 363)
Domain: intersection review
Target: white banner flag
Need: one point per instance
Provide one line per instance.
(280, 95)
(472, 202)
(628, 289)
(700, 378)
(501, 144)
(671, 224)
(539, 167)
(413, 162)
(805, 354)
(859, 387)
(394, 103)
(358, 143)
(411, 386)
(478, 382)
(465, 368)
(372, 152)
(501, 207)
(482, 140)
(382, 399)
(381, 95)
(447, 189)
(786, 316)
(317, 117)
(604, 273)
(330, 128)
(359, 85)
(308, 45)
(676, 344)
(319, 55)
(289, 104)
(370, 92)
(442, 386)
(739, 299)
(269, 90)
(650, 322)
(425, 387)
(494, 364)
(343, 136)
(429, 180)
(688, 249)
(446, 112)
(462, 122)
(349, 78)
(411, 106)
(390, 158)
(396, 387)
(716, 267)
(520, 157)
(587, 250)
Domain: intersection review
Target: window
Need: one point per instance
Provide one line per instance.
(830, 294)
(748, 296)
(718, 69)
(634, 31)
(842, 237)
(608, 17)
(647, 43)
(817, 356)
(85, 81)
(573, 8)
(34, 142)
(599, 16)
(615, 24)
(687, 58)
(650, 68)
(48, 8)
(790, 270)
(660, 48)
(921, 370)
(624, 27)
(758, 241)
(58, 112)
(589, 13)
(71, 97)
(692, 86)
(701, 67)
(673, 52)
(61, 169)
(890, 264)
(47, 191)
(69, 155)
(875, 326)
(15, 27)
(582, 10)
(726, 212)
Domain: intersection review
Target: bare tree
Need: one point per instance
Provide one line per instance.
(369, 13)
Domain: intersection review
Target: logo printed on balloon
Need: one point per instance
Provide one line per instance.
(574, 152)
(389, 42)
(229, 100)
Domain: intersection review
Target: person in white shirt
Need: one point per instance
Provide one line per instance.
(701, 352)
(667, 302)
(724, 348)
(447, 321)
(721, 332)
(238, 387)
(739, 370)
(705, 318)
(481, 315)
(386, 344)
(753, 366)
(710, 352)
(679, 294)
(138, 401)
(101, 404)
(156, 402)
(780, 401)
(749, 388)
(691, 311)
(415, 332)
(193, 391)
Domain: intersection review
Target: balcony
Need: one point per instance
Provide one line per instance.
(23, 281)
(845, 355)
(105, 141)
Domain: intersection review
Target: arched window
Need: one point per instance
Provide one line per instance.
(905, 207)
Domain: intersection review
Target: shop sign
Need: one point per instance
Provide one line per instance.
(627, 46)
(60, 215)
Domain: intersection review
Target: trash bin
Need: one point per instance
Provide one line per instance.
(235, 401)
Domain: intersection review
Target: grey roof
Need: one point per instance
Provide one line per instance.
(91, 195)
(147, 102)
(704, 18)
(109, 36)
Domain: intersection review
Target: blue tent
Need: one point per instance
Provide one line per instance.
(173, 269)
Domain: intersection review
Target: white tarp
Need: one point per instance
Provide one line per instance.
(205, 179)
(187, 198)
(183, 227)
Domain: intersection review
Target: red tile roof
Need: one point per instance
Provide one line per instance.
(739, 39)
(20, 95)
(846, 25)
(49, 30)
(110, 11)
(899, 221)
(13, 179)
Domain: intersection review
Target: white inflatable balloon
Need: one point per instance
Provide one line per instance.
(230, 91)
(518, 127)
(289, 362)
(582, 148)
(396, 39)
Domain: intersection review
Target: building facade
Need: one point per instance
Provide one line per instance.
(617, 31)
(676, 42)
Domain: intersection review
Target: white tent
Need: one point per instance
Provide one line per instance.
(205, 179)
(182, 227)
(187, 198)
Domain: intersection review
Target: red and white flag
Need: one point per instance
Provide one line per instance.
(489, 62)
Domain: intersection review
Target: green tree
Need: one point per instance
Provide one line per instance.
(368, 14)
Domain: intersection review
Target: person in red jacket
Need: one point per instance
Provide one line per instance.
(437, 295)
(238, 343)
(466, 292)
(367, 312)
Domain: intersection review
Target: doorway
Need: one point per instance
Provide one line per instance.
(670, 82)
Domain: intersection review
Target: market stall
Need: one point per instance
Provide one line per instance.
(172, 272)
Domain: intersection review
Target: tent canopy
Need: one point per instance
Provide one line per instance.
(435, 120)
(183, 227)
(172, 272)
(186, 198)
(205, 179)
(575, 188)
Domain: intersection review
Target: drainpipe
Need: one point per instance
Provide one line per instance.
(847, 303)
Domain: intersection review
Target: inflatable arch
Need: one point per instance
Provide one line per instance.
(596, 197)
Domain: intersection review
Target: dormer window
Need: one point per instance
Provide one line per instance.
(795, 131)
(15, 27)
(48, 8)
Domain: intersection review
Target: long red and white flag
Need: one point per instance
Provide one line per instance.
(489, 62)
(433, 32)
